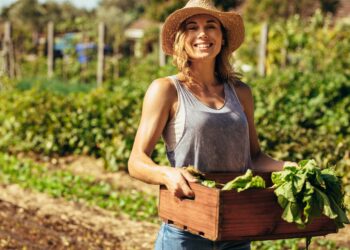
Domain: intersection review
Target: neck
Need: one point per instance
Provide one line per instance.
(203, 72)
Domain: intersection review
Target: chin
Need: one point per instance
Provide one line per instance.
(203, 57)
(211, 55)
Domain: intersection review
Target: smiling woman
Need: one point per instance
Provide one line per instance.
(204, 113)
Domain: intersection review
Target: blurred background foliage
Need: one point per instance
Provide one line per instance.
(302, 104)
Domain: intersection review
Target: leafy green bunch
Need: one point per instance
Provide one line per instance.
(306, 191)
(245, 182)
(240, 183)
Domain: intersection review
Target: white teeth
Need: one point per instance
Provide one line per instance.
(203, 46)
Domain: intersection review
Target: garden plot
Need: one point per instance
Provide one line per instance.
(36, 221)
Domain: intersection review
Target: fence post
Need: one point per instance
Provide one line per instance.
(50, 49)
(100, 56)
(162, 57)
(284, 53)
(8, 52)
(263, 49)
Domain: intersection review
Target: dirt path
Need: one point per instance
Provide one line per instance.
(89, 166)
(22, 228)
(36, 221)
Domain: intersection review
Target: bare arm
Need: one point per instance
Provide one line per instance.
(158, 102)
(261, 161)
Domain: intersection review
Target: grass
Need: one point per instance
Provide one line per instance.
(62, 183)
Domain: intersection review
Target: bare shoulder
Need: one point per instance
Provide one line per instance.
(243, 89)
(162, 87)
(161, 96)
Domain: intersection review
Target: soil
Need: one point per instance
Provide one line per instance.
(32, 220)
(37, 221)
(22, 228)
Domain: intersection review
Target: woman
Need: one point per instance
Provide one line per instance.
(204, 113)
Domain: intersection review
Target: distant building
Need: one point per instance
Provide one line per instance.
(135, 34)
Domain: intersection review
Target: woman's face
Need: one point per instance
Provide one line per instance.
(203, 37)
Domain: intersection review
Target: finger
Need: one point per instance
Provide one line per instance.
(182, 193)
(189, 177)
(186, 190)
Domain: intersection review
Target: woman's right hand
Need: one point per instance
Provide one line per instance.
(177, 179)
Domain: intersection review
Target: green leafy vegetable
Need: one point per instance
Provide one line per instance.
(245, 182)
(209, 183)
(306, 191)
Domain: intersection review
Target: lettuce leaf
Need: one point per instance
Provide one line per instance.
(245, 182)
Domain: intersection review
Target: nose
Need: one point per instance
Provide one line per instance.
(202, 33)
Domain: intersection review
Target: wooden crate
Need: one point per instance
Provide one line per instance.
(228, 215)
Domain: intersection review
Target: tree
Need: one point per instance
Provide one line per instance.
(24, 13)
(29, 18)
(270, 10)
(66, 16)
(158, 10)
(228, 4)
(117, 14)
(25, 18)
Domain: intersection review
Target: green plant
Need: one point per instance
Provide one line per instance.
(306, 191)
(245, 182)
(60, 183)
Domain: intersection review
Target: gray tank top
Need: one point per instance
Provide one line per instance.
(213, 140)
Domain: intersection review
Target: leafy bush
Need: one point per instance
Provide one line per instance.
(301, 115)
(316, 44)
(51, 123)
(53, 118)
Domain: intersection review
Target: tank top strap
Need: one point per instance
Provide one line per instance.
(184, 96)
(233, 95)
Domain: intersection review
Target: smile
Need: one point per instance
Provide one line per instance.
(203, 45)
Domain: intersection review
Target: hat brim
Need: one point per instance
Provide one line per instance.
(231, 21)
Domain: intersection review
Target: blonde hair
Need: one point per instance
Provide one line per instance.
(223, 68)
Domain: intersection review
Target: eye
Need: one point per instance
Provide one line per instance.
(211, 27)
(191, 27)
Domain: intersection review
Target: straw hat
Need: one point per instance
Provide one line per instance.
(231, 21)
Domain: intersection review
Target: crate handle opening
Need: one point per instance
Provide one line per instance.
(188, 198)
(201, 233)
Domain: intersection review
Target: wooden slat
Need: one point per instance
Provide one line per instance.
(199, 216)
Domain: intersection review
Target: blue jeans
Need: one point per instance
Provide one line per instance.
(172, 238)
